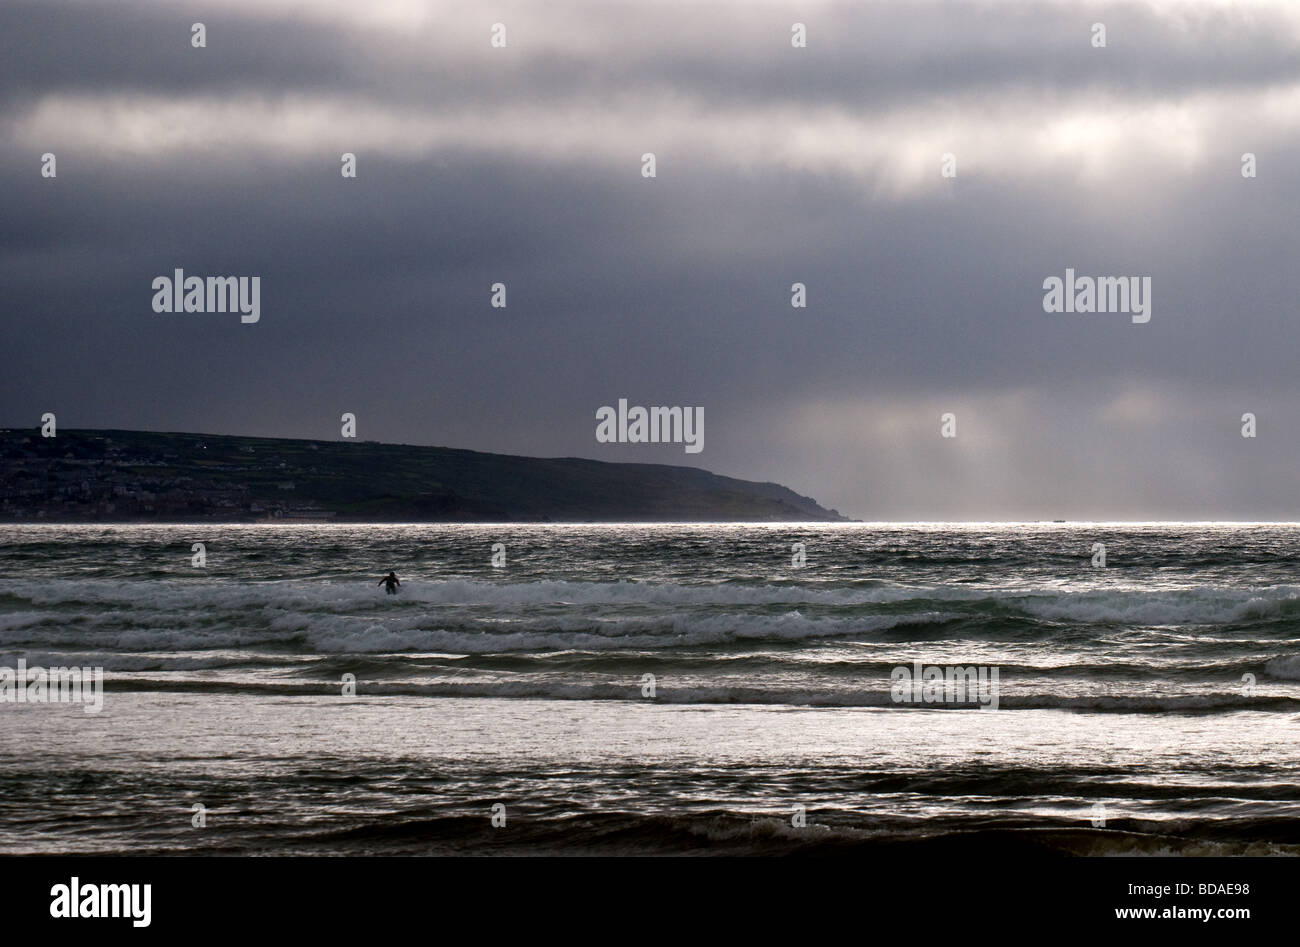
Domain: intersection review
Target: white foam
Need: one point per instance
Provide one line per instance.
(476, 616)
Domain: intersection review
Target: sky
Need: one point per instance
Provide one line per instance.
(774, 165)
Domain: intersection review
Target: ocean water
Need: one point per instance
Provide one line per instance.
(1151, 706)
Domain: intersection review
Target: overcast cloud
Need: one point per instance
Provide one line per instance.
(775, 165)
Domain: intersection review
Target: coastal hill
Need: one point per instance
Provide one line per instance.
(115, 476)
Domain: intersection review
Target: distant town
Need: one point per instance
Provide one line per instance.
(108, 476)
(98, 477)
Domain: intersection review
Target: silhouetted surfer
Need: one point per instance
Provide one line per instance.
(391, 582)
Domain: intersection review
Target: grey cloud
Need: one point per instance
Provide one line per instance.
(860, 59)
(676, 291)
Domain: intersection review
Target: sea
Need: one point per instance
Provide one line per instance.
(686, 689)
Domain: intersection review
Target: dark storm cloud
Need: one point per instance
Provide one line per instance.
(126, 47)
(924, 296)
(866, 58)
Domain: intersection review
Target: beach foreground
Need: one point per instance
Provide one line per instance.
(653, 690)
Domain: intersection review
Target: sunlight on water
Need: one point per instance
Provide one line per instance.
(1163, 684)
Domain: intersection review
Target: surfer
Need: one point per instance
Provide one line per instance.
(391, 582)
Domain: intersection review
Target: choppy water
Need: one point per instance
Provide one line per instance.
(1122, 691)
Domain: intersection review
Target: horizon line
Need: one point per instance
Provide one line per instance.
(290, 521)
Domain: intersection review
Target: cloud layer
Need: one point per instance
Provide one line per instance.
(775, 165)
